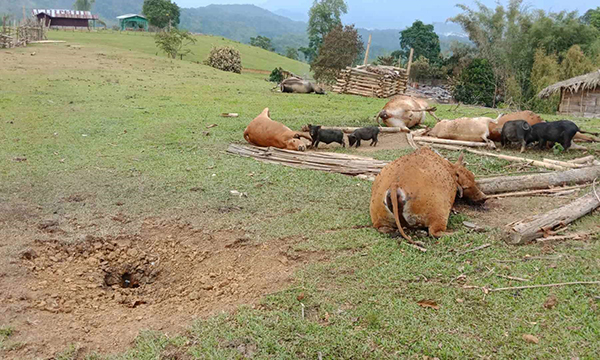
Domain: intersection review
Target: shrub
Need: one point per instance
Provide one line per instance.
(276, 75)
(476, 84)
(341, 48)
(225, 58)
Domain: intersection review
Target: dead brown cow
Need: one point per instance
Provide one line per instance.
(531, 118)
(263, 131)
(465, 129)
(404, 112)
(419, 190)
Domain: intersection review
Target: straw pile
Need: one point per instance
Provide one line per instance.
(372, 81)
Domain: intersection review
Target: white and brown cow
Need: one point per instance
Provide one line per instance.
(404, 112)
(419, 190)
(263, 131)
(465, 129)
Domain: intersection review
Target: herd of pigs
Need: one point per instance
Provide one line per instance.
(419, 190)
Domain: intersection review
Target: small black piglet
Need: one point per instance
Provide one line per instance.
(366, 133)
(325, 135)
(561, 132)
(516, 131)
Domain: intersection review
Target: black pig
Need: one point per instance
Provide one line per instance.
(325, 135)
(366, 133)
(516, 131)
(561, 132)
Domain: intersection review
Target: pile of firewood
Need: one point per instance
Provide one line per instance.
(372, 81)
(22, 34)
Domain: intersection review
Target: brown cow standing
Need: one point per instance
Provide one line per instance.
(404, 112)
(263, 131)
(425, 186)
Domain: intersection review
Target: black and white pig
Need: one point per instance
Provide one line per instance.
(366, 133)
(325, 135)
(561, 132)
(516, 131)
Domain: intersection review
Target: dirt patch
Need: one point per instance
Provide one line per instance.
(102, 291)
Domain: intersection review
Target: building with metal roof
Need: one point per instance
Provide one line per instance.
(135, 22)
(58, 18)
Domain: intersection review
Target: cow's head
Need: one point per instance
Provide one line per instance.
(318, 90)
(295, 144)
(465, 183)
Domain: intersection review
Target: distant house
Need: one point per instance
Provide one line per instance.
(65, 18)
(133, 22)
(579, 96)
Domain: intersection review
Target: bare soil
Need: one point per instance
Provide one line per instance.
(100, 292)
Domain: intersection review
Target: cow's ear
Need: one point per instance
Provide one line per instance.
(459, 162)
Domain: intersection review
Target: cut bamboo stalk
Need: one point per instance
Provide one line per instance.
(505, 157)
(583, 160)
(537, 192)
(447, 141)
(564, 163)
(530, 229)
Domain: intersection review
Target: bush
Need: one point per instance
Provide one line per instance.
(276, 75)
(225, 58)
(341, 48)
(476, 84)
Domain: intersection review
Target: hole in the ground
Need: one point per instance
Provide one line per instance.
(128, 281)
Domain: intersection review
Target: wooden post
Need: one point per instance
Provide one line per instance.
(367, 53)
(410, 57)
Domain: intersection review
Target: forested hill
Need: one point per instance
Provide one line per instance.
(235, 22)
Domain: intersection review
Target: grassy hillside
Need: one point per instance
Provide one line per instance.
(252, 57)
(109, 142)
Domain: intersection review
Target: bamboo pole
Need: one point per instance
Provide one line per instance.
(410, 59)
(367, 52)
(449, 142)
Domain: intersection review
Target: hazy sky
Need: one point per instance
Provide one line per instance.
(386, 14)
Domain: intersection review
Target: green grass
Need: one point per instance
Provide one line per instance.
(127, 127)
(252, 56)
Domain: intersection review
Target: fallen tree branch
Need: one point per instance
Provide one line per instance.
(532, 228)
(475, 249)
(511, 277)
(583, 160)
(577, 236)
(546, 285)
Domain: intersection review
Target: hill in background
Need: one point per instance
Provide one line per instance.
(239, 23)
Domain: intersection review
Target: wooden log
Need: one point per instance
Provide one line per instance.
(557, 190)
(447, 141)
(528, 230)
(505, 184)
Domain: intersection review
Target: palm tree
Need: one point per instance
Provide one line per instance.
(83, 5)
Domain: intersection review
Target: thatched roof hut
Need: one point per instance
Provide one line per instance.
(579, 96)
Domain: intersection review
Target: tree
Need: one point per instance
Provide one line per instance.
(173, 43)
(291, 53)
(262, 42)
(592, 17)
(476, 84)
(309, 53)
(324, 16)
(161, 13)
(340, 48)
(545, 72)
(422, 39)
(575, 63)
(83, 5)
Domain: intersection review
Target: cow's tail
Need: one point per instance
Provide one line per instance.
(397, 208)
(381, 115)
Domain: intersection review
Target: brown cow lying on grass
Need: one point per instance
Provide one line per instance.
(532, 119)
(418, 190)
(465, 129)
(263, 131)
(404, 112)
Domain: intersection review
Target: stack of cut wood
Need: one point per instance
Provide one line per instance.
(372, 81)
(21, 35)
